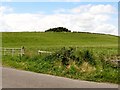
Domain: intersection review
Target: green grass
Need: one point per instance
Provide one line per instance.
(89, 61)
(77, 64)
(52, 41)
(56, 40)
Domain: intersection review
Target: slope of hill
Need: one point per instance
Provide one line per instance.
(81, 56)
(56, 40)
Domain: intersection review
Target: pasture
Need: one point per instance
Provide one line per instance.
(54, 40)
(83, 56)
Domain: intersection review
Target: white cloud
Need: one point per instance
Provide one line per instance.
(94, 9)
(80, 9)
(99, 9)
(22, 22)
(106, 28)
(82, 19)
(4, 9)
(61, 10)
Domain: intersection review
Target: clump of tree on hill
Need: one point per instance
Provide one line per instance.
(58, 29)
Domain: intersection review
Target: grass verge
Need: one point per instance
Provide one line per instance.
(83, 64)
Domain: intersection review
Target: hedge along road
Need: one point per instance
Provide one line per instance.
(12, 78)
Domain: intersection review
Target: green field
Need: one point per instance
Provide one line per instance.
(52, 41)
(57, 40)
(89, 58)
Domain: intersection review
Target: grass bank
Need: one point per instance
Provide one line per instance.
(69, 62)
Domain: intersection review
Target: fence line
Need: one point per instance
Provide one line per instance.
(12, 50)
(21, 50)
(40, 52)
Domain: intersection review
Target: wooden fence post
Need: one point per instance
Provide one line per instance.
(4, 51)
(21, 52)
(12, 52)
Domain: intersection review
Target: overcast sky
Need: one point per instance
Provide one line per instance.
(97, 17)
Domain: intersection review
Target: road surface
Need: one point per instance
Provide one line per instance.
(12, 78)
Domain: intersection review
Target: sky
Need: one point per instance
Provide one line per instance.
(95, 17)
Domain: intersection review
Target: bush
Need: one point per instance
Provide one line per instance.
(87, 56)
(66, 55)
(58, 29)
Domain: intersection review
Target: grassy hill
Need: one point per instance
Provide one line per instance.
(52, 41)
(85, 56)
(56, 40)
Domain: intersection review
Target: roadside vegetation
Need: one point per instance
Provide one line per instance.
(81, 56)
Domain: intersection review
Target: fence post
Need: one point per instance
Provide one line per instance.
(4, 51)
(12, 52)
(21, 52)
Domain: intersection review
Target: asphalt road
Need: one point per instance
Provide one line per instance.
(12, 78)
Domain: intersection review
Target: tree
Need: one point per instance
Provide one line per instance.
(58, 29)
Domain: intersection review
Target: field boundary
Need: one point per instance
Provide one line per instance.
(40, 52)
(13, 50)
